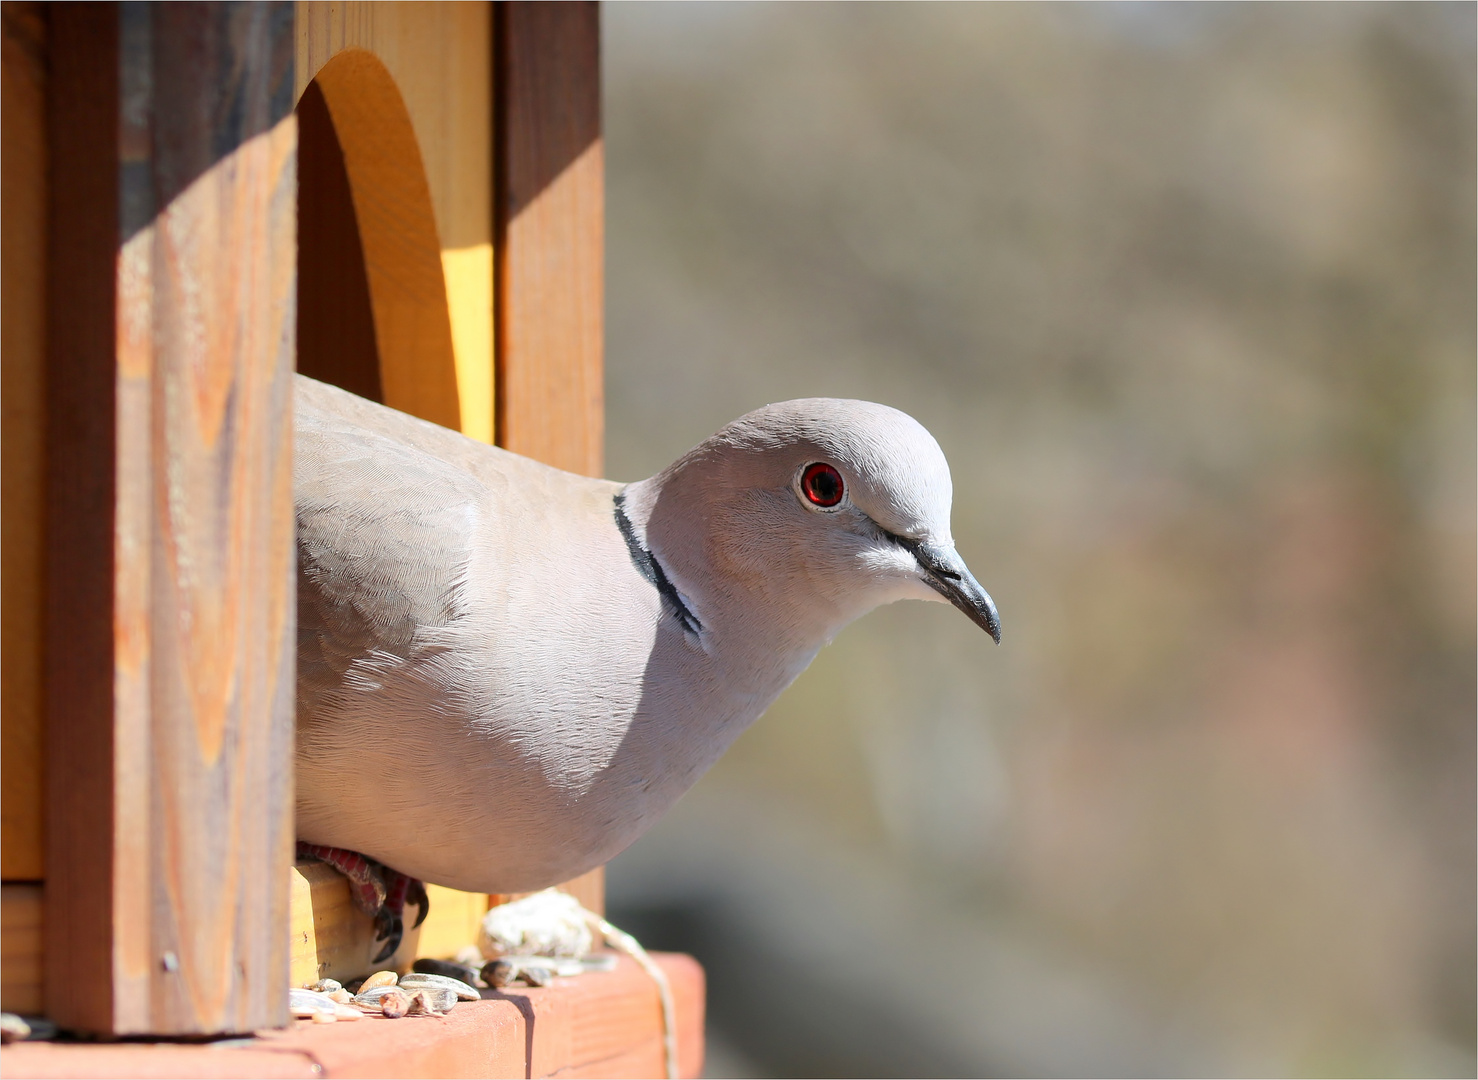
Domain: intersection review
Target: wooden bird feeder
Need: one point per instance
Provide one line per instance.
(404, 199)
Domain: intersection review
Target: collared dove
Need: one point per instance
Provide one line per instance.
(507, 673)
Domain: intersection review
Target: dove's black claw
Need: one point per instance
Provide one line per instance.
(390, 929)
(378, 891)
(417, 895)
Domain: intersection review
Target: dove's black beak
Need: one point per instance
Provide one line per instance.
(946, 573)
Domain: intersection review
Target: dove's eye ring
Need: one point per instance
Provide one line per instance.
(822, 485)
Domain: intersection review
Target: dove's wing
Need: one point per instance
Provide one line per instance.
(384, 540)
(472, 637)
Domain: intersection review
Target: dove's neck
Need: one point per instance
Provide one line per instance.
(753, 616)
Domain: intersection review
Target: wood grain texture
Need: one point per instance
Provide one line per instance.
(170, 507)
(20, 949)
(550, 233)
(23, 431)
(439, 57)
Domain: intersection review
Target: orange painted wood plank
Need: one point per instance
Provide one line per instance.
(596, 1025)
(169, 627)
(22, 429)
(151, 1061)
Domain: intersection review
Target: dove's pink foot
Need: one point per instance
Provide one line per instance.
(378, 891)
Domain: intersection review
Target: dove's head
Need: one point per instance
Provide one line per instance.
(809, 513)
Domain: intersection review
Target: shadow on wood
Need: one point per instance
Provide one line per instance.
(384, 262)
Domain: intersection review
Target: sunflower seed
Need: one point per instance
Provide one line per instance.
(379, 978)
(308, 1003)
(421, 980)
(451, 969)
(394, 1005)
(13, 1028)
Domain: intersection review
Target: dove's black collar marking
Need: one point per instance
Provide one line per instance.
(649, 568)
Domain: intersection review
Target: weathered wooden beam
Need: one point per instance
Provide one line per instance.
(550, 173)
(169, 514)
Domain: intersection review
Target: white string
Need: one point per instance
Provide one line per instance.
(555, 923)
(624, 942)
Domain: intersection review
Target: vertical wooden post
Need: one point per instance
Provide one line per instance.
(22, 396)
(169, 516)
(550, 175)
(23, 170)
(549, 179)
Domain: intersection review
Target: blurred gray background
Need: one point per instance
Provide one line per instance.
(1187, 295)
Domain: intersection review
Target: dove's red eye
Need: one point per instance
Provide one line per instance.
(822, 484)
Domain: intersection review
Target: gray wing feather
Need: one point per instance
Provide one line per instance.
(384, 534)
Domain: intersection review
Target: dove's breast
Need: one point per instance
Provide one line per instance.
(473, 646)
